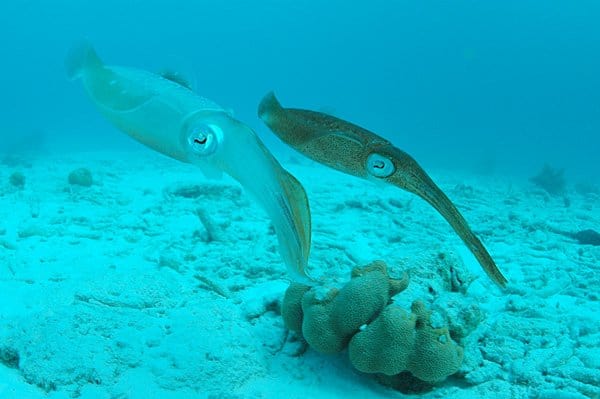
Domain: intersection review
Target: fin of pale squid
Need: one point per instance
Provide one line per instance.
(300, 210)
(176, 77)
(109, 87)
(80, 58)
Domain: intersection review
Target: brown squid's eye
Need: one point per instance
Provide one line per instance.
(379, 165)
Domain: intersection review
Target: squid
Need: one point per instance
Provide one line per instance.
(357, 151)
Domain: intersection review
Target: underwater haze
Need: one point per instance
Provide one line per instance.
(299, 199)
(506, 86)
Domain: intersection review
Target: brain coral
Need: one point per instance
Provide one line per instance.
(397, 341)
(381, 337)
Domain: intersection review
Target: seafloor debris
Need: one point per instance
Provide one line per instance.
(551, 180)
(81, 177)
(17, 179)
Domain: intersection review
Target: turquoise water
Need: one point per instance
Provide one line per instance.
(514, 84)
(146, 278)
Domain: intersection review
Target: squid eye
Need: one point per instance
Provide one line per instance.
(380, 166)
(203, 139)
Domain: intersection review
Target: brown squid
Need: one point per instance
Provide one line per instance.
(354, 150)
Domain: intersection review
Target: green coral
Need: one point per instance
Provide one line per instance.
(386, 344)
(291, 310)
(328, 319)
(397, 341)
(381, 337)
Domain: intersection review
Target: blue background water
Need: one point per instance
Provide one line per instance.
(503, 85)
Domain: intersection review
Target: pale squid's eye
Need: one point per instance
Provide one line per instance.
(380, 166)
(203, 139)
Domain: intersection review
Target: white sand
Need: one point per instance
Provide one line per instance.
(120, 291)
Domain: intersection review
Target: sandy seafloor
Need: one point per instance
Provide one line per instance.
(157, 283)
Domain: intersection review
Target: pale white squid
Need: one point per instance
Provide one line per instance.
(170, 118)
